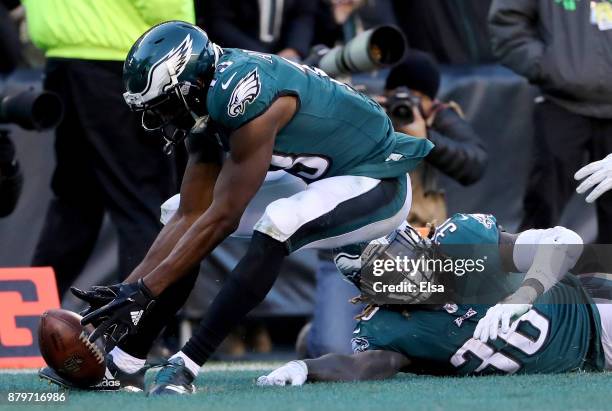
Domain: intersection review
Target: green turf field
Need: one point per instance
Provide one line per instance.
(234, 389)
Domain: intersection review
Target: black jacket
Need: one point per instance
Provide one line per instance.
(236, 23)
(558, 49)
(10, 48)
(453, 31)
(459, 152)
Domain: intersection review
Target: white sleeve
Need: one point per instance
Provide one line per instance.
(525, 248)
(547, 255)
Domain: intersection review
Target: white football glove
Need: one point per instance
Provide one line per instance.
(294, 372)
(600, 175)
(497, 317)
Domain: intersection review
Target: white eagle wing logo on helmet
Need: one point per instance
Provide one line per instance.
(172, 64)
(176, 59)
(246, 91)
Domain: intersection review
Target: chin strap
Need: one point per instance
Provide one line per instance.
(180, 135)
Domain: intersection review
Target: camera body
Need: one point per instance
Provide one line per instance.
(400, 105)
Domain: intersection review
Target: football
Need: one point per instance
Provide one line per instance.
(65, 347)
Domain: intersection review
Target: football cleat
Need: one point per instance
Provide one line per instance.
(114, 379)
(173, 379)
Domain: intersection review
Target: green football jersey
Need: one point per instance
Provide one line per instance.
(561, 333)
(475, 237)
(335, 131)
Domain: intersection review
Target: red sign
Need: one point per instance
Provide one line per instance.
(25, 293)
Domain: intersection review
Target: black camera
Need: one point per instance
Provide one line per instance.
(30, 109)
(376, 48)
(400, 105)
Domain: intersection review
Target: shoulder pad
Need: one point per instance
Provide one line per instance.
(241, 91)
(463, 233)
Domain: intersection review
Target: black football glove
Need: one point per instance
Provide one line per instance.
(121, 316)
(97, 297)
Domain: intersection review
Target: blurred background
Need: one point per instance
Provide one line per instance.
(514, 95)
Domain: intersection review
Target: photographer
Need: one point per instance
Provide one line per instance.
(410, 99)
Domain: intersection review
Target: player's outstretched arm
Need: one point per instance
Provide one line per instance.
(196, 196)
(369, 365)
(239, 179)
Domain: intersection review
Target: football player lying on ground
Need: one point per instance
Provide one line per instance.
(562, 331)
(266, 113)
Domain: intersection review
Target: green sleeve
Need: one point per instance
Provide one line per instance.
(240, 93)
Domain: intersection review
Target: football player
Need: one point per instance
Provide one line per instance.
(516, 268)
(242, 113)
(562, 331)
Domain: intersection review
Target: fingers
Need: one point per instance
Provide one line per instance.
(263, 381)
(487, 327)
(104, 311)
(588, 169)
(593, 180)
(82, 295)
(280, 377)
(493, 327)
(96, 315)
(270, 381)
(484, 332)
(505, 322)
(602, 188)
(498, 320)
(478, 329)
(95, 296)
(83, 313)
(100, 330)
(298, 380)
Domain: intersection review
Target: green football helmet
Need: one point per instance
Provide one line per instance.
(166, 75)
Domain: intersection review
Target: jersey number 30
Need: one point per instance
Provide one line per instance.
(308, 167)
(497, 359)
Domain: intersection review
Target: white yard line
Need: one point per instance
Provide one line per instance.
(242, 366)
(213, 366)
